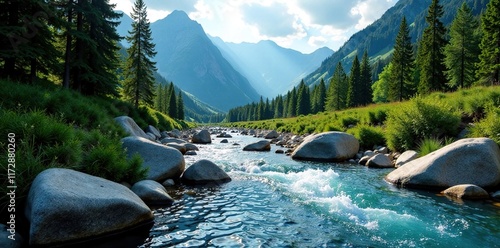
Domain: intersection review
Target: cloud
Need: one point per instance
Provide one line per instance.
(371, 10)
(335, 13)
(272, 21)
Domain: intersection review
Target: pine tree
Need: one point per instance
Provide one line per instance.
(139, 81)
(400, 85)
(278, 107)
(172, 102)
(461, 54)
(303, 99)
(159, 98)
(430, 59)
(489, 65)
(381, 86)
(353, 90)
(292, 103)
(337, 90)
(180, 106)
(365, 94)
(319, 98)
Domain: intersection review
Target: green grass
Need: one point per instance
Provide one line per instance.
(58, 128)
(403, 125)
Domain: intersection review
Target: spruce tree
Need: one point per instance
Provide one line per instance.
(278, 107)
(292, 103)
(354, 87)
(401, 72)
(430, 59)
(489, 60)
(319, 97)
(463, 50)
(180, 106)
(172, 102)
(303, 99)
(365, 94)
(139, 81)
(337, 90)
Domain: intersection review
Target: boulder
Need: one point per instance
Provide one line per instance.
(260, 146)
(202, 137)
(364, 159)
(467, 161)
(271, 135)
(327, 147)
(466, 191)
(152, 193)
(175, 133)
(203, 172)
(172, 140)
(154, 131)
(279, 151)
(9, 238)
(130, 127)
(162, 162)
(180, 147)
(191, 147)
(383, 150)
(406, 157)
(224, 135)
(379, 161)
(168, 183)
(191, 153)
(66, 206)
(224, 141)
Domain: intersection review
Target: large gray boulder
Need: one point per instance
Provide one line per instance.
(152, 193)
(66, 206)
(260, 146)
(327, 147)
(406, 157)
(467, 191)
(467, 161)
(202, 137)
(162, 162)
(130, 127)
(272, 135)
(203, 172)
(154, 131)
(379, 161)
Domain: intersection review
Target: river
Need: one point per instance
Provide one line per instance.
(274, 201)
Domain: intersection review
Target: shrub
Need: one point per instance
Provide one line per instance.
(348, 121)
(368, 136)
(428, 145)
(489, 126)
(412, 122)
(377, 117)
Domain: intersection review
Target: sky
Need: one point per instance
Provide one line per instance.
(302, 25)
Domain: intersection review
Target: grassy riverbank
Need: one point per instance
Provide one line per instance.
(438, 117)
(54, 127)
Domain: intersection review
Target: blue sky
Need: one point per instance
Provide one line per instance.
(303, 25)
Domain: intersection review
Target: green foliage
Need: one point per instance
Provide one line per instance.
(489, 68)
(377, 117)
(489, 126)
(400, 81)
(336, 98)
(354, 87)
(368, 136)
(381, 87)
(428, 145)
(349, 121)
(418, 119)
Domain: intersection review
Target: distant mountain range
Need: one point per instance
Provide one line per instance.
(271, 69)
(379, 37)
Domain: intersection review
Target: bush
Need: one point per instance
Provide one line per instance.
(368, 136)
(489, 126)
(428, 145)
(349, 121)
(378, 117)
(410, 123)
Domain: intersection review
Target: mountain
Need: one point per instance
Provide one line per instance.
(124, 27)
(271, 69)
(186, 56)
(378, 38)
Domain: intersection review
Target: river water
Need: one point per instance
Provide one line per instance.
(274, 201)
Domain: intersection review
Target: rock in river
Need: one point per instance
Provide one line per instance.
(65, 206)
(203, 172)
(152, 193)
(202, 137)
(128, 124)
(261, 146)
(327, 147)
(467, 161)
(467, 191)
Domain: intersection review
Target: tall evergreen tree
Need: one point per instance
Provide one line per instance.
(336, 98)
(180, 106)
(319, 98)
(401, 78)
(489, 66)
(303, 99)
(463, 50)
(172, 102)
(292, 103)
(354, 87)
(365, 81)
(430, 59)
(139, 81)
(278, 107)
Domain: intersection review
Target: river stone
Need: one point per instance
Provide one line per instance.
(6, 242)
(379, 161)
(152, 193)
(130, 127)
(224, 141)
(467, 161)
(364, 159)
(162, 162)
(327, 147)
(65, 206)
(406, 157)
(180, 147)
(260, 146)
(204, 171)
(153, 130)
(175, 133)
(172, 140)
(271, 135)
(202, 137)
(467, 191)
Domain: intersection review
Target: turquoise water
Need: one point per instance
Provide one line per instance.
(274, 201)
